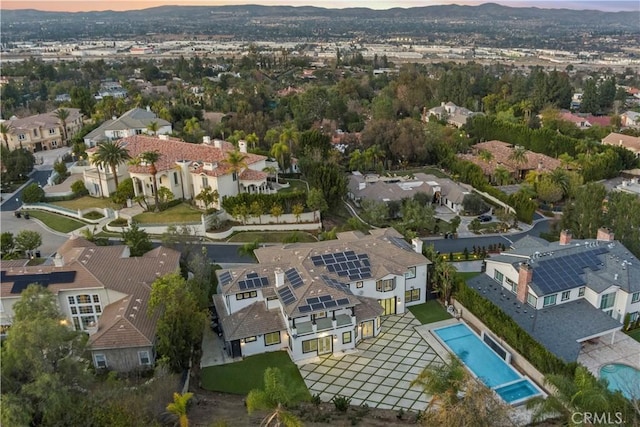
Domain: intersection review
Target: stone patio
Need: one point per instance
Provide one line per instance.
(623, 349)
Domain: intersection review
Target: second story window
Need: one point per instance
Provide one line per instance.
(22, 137)
(52, 131)
(387, 285)
(205, 182)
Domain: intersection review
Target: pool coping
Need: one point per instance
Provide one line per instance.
(432, 331)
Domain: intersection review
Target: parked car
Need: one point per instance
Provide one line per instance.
(485, 218)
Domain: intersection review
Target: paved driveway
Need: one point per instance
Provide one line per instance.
(379, 373)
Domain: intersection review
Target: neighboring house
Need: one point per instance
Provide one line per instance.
(630, 119)
(43, 131)
(449, 112)
(631, 143)
(313, 299)
(501, 156)
(102, 291)
(443, 191)
(112, 89)
(584, 121)
(134, 122)
(567, 292)
(631, 186)
(183, 168)
(576, 100)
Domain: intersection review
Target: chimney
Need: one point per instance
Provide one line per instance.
(565, 237)
(442, 104)
(525, 274)
(417, 243)
(148, 108)
(92, 328)
(242, 145)
(206, 140)
(58, 261)
(605, 234)
(279, 278)
(217, 143)
(164, 137)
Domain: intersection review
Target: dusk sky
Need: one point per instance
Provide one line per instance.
(94, 5)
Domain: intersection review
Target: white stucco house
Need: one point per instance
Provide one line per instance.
(134, 122)
(312, 299)
(183, 168)
(567, 292)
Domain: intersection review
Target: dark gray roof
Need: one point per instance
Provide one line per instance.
(560, 328)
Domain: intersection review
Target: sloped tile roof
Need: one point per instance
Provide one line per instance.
(45, 120)
(630, 142)
(502, 151)
(251, 321)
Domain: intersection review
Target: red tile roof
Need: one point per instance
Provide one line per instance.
(501, 152)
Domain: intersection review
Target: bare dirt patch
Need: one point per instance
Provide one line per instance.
(211, 407)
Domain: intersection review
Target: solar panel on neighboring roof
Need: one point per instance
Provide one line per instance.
(225, 278)
(564, 272)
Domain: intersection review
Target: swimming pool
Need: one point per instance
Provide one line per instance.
(623, 378)
(485, 364)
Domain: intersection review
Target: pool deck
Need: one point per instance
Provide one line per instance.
(624, 349)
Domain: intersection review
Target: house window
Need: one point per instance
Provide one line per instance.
(581, 291)
(272, 338)
(251, 339)
(321, 315)
(272, 298)
(513, 285)
(234, 176)
(100, 360)
(175, 178)
(52, 131)
(633, 316)
(85, 310)
(532, 300)
(549, 300)
(35, 132)
(309, 346)
(22, 137)
(565, 295)
(205, 182)
(635, 297)
(143, 357)
(346, 337)
(54, 143)
(412, 295)
(411, 273)
(497, 276)
(607, 301)
(359, 284)
(246, 295)
(387, 285)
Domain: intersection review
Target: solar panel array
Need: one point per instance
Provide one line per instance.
(253, 281)
(294, 278)
(345, 264)
(21, 281)
(323, 302)
(565, 272)
(225, 278)
(401, 243)
(286, 295)
(337, 285)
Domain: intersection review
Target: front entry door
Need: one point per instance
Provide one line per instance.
(324, 345)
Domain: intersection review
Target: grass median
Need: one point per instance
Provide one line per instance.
(57, 222)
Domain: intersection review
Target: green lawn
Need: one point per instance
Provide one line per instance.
(429, 170)
(181, 213)
(635, 334)
(468, 275)
(270, 236)
(429, 312)
(57, 222)
(242, 377)
(295, 185)
(87, 202)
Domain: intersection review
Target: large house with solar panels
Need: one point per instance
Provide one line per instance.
(319, 298)
(102, 291)
(565, 293)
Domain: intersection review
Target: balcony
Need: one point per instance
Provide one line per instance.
(324, 324)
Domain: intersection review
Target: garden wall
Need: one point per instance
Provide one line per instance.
(77, 214)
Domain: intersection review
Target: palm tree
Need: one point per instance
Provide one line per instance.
(236, 161)
(62, 115)
(445, 281)
(111, 153)
(485, 155)
(560, 177)
(442, 383)
(252, 139)
(519, 157)
(278, 151)
(248, 248)
(179, 407)
(5, 130)
(501, 175)
(376, 154)
(289, 136)
(153, 127)
(150, 158)
(275, 397)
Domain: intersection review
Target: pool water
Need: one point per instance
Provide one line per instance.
(485, 364)
(622, 378)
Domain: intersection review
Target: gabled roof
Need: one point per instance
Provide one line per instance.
(502, 151)
(629, 142)
(136, 118)
(250, 321)
(45, 120)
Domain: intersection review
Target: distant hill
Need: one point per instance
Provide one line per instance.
(287, 21)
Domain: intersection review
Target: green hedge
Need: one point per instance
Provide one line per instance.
(286, 200)
(504, 326)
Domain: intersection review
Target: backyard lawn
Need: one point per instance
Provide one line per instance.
(468, 275)
(57, 222)
(87, 202)
(429, 312)
(635, 334)
(295, 185)
(182, 213)
(242, 377)
(270, 236)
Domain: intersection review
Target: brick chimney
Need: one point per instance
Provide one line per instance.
(525, 274)
(565, 237)
(605, 234)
